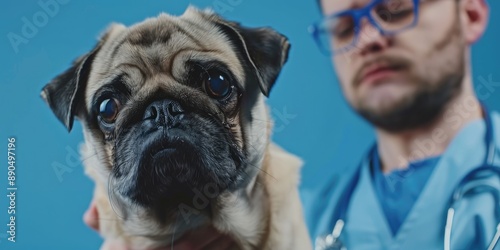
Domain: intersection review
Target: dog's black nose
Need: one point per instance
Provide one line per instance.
(164, 112)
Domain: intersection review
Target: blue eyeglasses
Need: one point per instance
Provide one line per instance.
(340, 32)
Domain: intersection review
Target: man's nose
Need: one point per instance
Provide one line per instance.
(371, 39)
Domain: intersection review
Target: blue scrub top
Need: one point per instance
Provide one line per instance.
(398, 190)
(423, 228)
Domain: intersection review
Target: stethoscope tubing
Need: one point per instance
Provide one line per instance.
(340, 213)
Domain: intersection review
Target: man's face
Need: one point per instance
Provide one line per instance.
(403, 81)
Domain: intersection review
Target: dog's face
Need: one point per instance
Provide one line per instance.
(173, 105)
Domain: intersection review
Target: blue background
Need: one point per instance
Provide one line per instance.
(320, 127)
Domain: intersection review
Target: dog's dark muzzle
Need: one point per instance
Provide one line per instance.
(170, 152)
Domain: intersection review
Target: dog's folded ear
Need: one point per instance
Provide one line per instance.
(268, 50)
(65, 92)
(62, 92)
(265, 49)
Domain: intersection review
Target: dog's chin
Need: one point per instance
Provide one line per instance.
(172, 170)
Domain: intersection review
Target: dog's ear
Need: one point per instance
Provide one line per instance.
(63, 93)
(268, 50)
(265, 49)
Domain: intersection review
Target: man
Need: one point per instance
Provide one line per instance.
(405, 67)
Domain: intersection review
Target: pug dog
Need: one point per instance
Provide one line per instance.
(177, 132)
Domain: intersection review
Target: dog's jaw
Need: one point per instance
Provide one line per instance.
(266, 216)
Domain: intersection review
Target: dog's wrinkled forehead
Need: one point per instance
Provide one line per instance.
(159, 48)
(155, 52)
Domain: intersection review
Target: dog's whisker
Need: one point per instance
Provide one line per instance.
(173, 234)
(89, 157)
(111, 196)
(108, 219)
(262, 120)
(263, 171)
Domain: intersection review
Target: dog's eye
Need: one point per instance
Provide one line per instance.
(108, 110)
(217, 85)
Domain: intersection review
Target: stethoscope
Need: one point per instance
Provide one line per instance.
(462, 190)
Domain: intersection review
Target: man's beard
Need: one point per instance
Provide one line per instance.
(432, 96)
(418, 110)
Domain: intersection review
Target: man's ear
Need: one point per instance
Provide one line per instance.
(475, 19)
(65, 91)
(265, 49)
